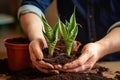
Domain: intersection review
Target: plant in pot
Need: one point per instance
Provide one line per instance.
(17, 52)
(63, 50)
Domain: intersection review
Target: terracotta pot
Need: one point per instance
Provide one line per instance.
(18, 53)
(76, 47)
(61, 45)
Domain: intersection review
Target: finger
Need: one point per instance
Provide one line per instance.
(78, 62)
(58, 67)
(88, 65)
(72, 64)
(83, 68)
(37, 61)
(47, 71)
(41, 69)
(36, 50)
(53, 71)
(91, 62)
(42, 64)
(32, 56)
(45, 65)
(34, 63)
(86, 55)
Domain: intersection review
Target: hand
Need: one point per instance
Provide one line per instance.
(90, 54)
(36, 57)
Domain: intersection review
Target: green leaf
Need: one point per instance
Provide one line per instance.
(55, 31)
(51, 36)
(74, 33)
(48, 29)
(63, 30)
(70, 42)
(72, 22)
(69, 31)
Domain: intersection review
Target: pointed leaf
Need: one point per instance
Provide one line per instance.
(63, 30)
(72, 21)
(48, 29)
(73, 33)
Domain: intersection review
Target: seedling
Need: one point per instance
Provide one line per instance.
(51, 35)
(68, 31)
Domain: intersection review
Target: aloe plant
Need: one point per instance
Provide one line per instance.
(51, 35)
(69, 31)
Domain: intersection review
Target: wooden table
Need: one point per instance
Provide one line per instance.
(112, 66)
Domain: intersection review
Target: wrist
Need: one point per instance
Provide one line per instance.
(40, 41)
(39, 37)
(36, 35)
(104, 47)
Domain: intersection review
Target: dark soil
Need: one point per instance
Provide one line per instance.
(117, 75)
(19, 40)
(59, 56)
(31, 74)
(34, 74)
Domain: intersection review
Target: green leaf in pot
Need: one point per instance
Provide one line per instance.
(69, 31)
(51, 35)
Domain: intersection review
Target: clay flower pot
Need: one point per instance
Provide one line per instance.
(18, 53)
(61, 45)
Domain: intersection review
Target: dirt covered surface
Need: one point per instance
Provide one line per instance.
(97, 73)
(59, 57)
(32, 74)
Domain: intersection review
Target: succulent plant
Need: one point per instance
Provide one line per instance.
(69, 31)
(51, 35)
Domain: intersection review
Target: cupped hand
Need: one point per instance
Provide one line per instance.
(37, 56)
(91, 52)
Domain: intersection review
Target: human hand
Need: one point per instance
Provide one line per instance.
(36, 57)
(90, 54)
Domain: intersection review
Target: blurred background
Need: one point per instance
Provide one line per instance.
(9, 24)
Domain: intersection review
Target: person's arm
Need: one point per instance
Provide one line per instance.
(32, 26)
(92, 52)
(111, 41)
(29, 16)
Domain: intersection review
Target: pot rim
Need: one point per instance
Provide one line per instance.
(75, 48)
(5, 41)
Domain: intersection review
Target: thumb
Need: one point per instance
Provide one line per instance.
(36, 49)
